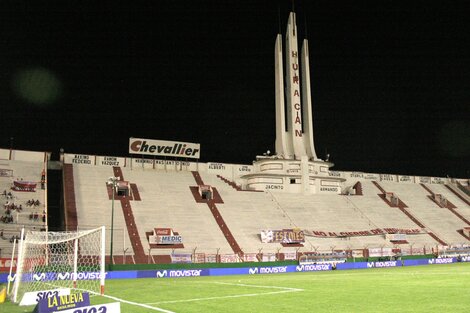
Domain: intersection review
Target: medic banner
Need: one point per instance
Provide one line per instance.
(283, 236)
(164, 148)
(372, 232)
(169, 240)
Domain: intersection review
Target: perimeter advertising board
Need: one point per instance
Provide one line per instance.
(168, 273)
(164, 148)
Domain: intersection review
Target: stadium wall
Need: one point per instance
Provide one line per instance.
(233, 172)
(22, 155)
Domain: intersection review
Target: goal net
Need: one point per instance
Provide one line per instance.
(52, 260)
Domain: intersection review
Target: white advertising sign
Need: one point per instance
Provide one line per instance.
(110, 161)
(244, 169)
(33, 297)
(387, 177)
(371, 176)
(142, 163)
(80, 159)
(437, 180)
(424, 180)
(405, 179)
(164, 148)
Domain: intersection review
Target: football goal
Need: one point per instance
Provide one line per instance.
(60, 260)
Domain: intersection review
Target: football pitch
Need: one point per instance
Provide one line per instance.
(433, 288)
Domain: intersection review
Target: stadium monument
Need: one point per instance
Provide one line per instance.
(295, 167)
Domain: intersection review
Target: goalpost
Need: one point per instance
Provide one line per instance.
(64, 260)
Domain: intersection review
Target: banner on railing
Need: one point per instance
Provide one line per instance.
(376, 252)
(228, 258)
(371, 232)
(357, 253)
(395, 237)
(211, 258)
(199, 258)
(181, 258)
(268, 257)
(250, 257)
(5, 264)
(283, 236)
(290, 256)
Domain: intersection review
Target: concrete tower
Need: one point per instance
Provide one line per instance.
(295, 167)
(296, 140)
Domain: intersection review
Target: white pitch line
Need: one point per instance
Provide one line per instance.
(284, 290)
(259, 286)
(227, 297)
(137, 304)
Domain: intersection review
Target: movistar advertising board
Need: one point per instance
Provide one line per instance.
(254, 270)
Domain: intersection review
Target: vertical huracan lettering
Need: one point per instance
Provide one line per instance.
(297, 122)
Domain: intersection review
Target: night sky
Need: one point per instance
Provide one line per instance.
(390, 79)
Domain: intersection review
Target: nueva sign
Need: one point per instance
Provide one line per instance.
(164, 148)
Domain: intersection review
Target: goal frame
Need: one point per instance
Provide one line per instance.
(71, 238)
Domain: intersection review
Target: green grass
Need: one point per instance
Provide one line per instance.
(433, 288)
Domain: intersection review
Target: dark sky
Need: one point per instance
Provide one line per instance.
(390, 79)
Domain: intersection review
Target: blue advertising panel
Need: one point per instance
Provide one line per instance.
(351, 266)
(64, 302)
(174, 273)
(122, 274)
(313, 267)
(228, 271)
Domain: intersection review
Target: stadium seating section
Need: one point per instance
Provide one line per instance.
(227, 224)
(231, 222)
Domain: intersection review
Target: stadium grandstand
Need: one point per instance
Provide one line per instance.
(168, 211)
